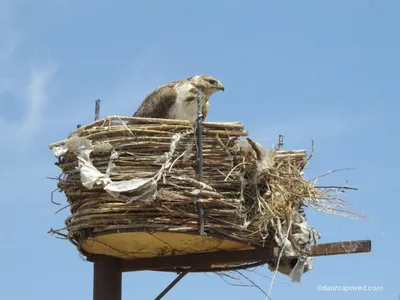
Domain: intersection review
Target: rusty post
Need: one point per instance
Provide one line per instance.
(107, 281)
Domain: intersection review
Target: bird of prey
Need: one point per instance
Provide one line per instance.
(178, 99)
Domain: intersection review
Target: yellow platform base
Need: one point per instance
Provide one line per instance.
(132, 245)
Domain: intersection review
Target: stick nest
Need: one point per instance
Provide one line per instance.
(245, 187)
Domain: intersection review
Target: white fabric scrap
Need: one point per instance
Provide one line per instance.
(91, 176)
(308, 236)
(168, 156)
(299, 268)
(59, 151)
(111, 165)
(149, 194)
(117, 187)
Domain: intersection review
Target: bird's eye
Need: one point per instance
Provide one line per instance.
(211, 81)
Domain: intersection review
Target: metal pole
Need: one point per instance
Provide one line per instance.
(199, 142)
(97, 110)
(107, 279)
(280, 142)
(171, 285)
(199, 136)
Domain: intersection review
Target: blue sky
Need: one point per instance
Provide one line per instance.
(327, 70)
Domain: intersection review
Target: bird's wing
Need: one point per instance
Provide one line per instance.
(158, 103)
(205, 110)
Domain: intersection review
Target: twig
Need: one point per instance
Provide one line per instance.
(268, 277)
(52, 197)
(279, 258)
(173, 163)
(331, 172)
(335, 187)
(233, 169)
(312, 150)
(126, 127)
(62, 209)
(254, 284)
(52, 231)
(233, 284)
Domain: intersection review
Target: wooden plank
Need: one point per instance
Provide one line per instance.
(342, 248)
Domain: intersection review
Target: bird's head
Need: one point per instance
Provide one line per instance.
(208, 84)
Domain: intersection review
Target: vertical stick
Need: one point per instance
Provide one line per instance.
(199, 142)
(107, 279)
(280, 142)
(97, 110)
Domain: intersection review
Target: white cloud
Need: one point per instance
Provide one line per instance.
(36, 97)
(26, 84)
(31, 89)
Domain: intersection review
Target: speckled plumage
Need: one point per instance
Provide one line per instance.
(178, 99)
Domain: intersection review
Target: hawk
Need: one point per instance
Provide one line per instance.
(178, 99)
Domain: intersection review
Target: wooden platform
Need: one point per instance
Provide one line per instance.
(220, 260)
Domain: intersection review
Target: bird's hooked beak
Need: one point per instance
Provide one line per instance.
(221, 87)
